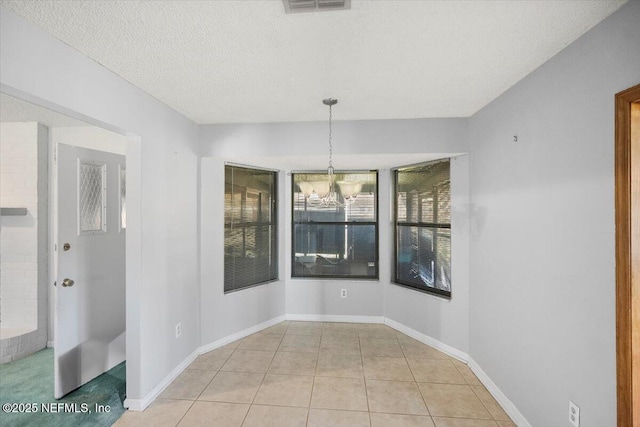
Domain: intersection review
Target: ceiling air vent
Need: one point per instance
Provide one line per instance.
(296, 6)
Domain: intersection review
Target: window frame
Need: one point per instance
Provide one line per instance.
(420, 225)
(375, 224)
(273, 223)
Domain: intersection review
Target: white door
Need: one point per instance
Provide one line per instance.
(89, 319)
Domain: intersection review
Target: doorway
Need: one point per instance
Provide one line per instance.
(627, 193)
(30, 130)
(89, 219)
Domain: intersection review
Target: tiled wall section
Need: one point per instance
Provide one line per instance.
(17, 347)
(23, 239)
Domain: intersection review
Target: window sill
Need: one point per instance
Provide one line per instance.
(233, 291)
(335, 279)
(436, 293)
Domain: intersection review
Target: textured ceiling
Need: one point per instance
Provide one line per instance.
(248, 61)
(16, 110)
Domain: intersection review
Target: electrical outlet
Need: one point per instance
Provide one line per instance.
(343, 293)
(574, 414)
(178, 329)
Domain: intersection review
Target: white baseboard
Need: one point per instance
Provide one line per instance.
(244, 333)
(497, 394)
(335, 318)
(141, 404)
(426, 339)
(51, 344)
(500, 397)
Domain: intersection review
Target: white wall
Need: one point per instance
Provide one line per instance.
(542, 307)
(162, 250)
(446, 320)
(264, 141)
(23, 239)
(223, 315)
(373, 144)
(91, 137)
(19, 234)
(541, 300)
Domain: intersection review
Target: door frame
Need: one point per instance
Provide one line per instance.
(133, 254)
(627, 217)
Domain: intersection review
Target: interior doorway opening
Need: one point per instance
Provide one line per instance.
(19, 107)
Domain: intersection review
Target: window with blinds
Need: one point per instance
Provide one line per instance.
(250, 227)
(422, 198)
(335, 241)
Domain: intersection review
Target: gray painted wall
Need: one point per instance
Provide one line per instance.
(267, 140)
(378, 144)
(542, 307)
(162, 250)
(446, 320)
(226, 314)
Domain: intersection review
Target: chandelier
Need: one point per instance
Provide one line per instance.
(326, 190)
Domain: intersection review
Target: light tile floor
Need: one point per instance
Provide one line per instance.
(324, 374)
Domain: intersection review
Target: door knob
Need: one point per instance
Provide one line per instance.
(67, 283)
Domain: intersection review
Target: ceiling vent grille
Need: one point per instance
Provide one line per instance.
(297, 6)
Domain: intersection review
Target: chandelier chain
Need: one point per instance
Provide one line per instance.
(330, 141)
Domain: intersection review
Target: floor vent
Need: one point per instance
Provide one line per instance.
(296, 6)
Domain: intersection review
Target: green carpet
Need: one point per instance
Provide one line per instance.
(30, 380)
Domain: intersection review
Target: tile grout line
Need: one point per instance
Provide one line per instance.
(313, 384)
(212, 378)
(326, 333)
(185, 413)
(248, 409)
(364, 379)
(415, 381)
(263, 376)
(314, 374)
(483, 404)
(315, 371)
